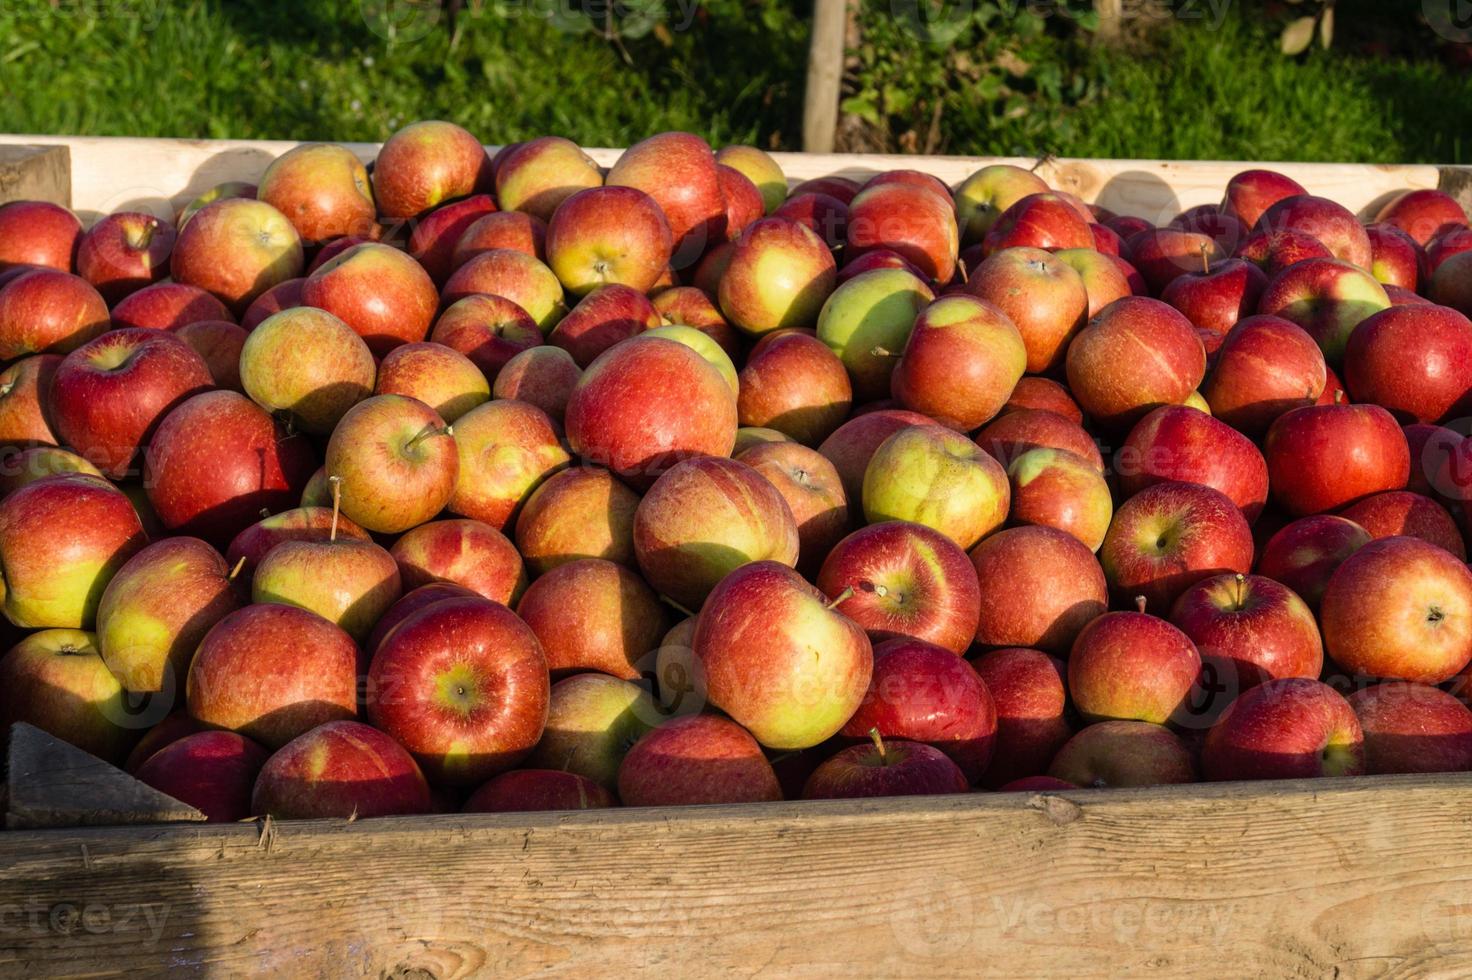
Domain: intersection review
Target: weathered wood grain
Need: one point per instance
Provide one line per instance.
(35, 173)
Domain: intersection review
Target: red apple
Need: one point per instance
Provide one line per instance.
(1123, 753)
(1274, 251)
(24, 390)
(1396, 258)
(608, 235)
(1331, 223)
(1043, 394)
(1252, 192)
(1432, 447)
(512, 230)
(213, 772)
(297, 524)
(1039, 588)
(1227, 230)
(1423, 214)
(1113, 383)
(793, 383)
(1451, 285)
(467, 553)
(538, 175)
(531, 790)
(1183, 444)
(1024, 430)
(1290, 728)
(1400, 512)
(124, 252)
(323, 189)
(441, 377)
(985, 195)
(1170, 536)
(1163, 255)
(1325, 456)
(593, 614)
(813, 492)
(778, 276)
(913, 220)
(236, 249)
(46, 311)
(1216, 299)
(1104, 281)
(397, 460)
(696, 759)
(425, 164)
(55, 680)
(1413, 728)
(690, 307)
(602, 318)
(744, 203)
(410, 603)
(893, 768)
(1054, 488)
(218, 343)
(1444, 246)
(490, 330)
(1027, 691)
(679, 171)
(543, 376)
(1304, 554)
(827, 217)
(1266, 366)
(583, 512)
(961, 362)
(38, 233)
(282, 296)
(1043, 220)
(1134, 666)
(434, 241)
(1412, 361)
(343, 769)
(382, 293)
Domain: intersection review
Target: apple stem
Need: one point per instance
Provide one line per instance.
(1339, 397)
(444, 430)
(961, 270)
(336, 482)
(235, 572)
(838, 599)
(677, 606)
(1140, 603)
(1205, 261)
(881, 352)
(878, 741)
(1241, 586)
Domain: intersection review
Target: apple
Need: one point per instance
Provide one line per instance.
(1323, 457)
(343, 769)
(435, 241)
(1043, 220)
(1396, 258)
(1413, 728)
(46, 311)
(506, 448)
(1327, 298)
(236, 249)
(56, 680)
(489, 330)
(853, 443)
(158, 607)
(323, 189)
(1109, 378)
(24, 387)
(893, 768)
(760, 169)
(1289, 728)
(645, 404)
(691, 307)
(1179, 443)
(440, 376)
(779, 276)
(543, 376)
(219, 192)
(706, 276)
(1444, 246)
(694, 759)
(1123, 753)
(842, 188)
(1039, 588)
(1043, 394)
(398, 462)
(795, 384)
(124, 252)
(756, 640)
(1274, 251)
(1104, 281)
(1331, 223)
(410, 603)
(914, 220)
(282, 296)
(1303, 555)
(1252, 192)
(213, 772)
(1043, 295)
(593, 614)
(38, 233)
(885, 258)
(827, 217)
(1400, 512)
(382, 293)
(592, 722)
(866, 322)
(602, 318)
(531, 790)
(1054, 488)
(462, 684)
(1134, 666)
(1107, 241)
(708, 348)
(1163, 255)
(467, 553)
(939, 478)
(1399, 296)
(347, 581)
(1216, 299)
(1170, 536)
(1036, 784)
(1014, 433)
(744, 203)
(1449, 285)
(581, 512)
(272, 672)
(425, 164)
(39, 462)
(297, 524)
(1265, 367)
(961, 361)
(1126, 226)
(1406, 359)
(218, 343)
(1027, 691)
(1432, 447)
(307, 365)
(813, 492)
(169, 729)
(679, 171)
(1423, 214)
(1399, 608)
(1226, 230)
(749, 436)
(537, 176)
(500, 229)
(608, 235)
(983, 197)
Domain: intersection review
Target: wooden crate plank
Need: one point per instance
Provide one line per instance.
(1367, 877)
(35, 173)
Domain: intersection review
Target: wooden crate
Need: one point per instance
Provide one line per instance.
(1344, 878)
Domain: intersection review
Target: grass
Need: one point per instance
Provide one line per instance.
(315, 69)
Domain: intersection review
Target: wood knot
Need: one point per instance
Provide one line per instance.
(1058, 810)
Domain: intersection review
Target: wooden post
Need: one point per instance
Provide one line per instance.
(1111, 14)
(825, 73)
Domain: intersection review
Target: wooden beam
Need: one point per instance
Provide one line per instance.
(825, 76)
(35, 173)
(1111, 19)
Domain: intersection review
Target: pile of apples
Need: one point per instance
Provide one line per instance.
(472, 483)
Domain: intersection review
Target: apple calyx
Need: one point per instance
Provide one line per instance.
(1140, 603)
(847, 593)
(878, 741)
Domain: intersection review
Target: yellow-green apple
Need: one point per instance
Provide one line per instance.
(62, 539)
(608, 235)
(939, 478)
(691, 307)
(1137, 355)
(1104, 281)
(536, 176)
(462, 684)
(1290, 728)
(602, 318)
(47, 311)
(960, 363)
(532, 790)
(1265, 366)
(219, 192)
(38, 233)
(468, 553)
(490, 330)
(904, 581)
(434, 240)
(794, 383)
(1405, 360)
(515, 230)
(56, 680)
(1028, 695)
(705, 517)
(679, 171)
(1042, 220)
(760, 169)
(297, 524)
(323, 189)
(866, 322)
(582, 512)
(1170, 536)
(158, 607)
(24, 389)
(896, 767)
(124, 252)
(282, 296)
(379, 291)
(213, 772)
(1021, 431)
(343, 769)
(779, 276)
(814, 494)
(1133, 666)
(1329, 222)
(706, 346)
(1163, 255)
(1399, 608)
(916, 221)
(409, 604)
(1252, 192)
(219, 343)
(982, 197)
(1326, 297)
(506, 448)
(426, 164)
(1055, 488)
(647, 403)
(1303, 555)
(272, 672)
(237, 249)
(778, 658)
(1043, 295)
(398, 462)
(694, 759)
(542, 376)
(925, 693)
(1039, 586)
(1423, 214)
(1178, 443)
(345, 580)
(1248, 629)
(1123, 753)
(1216, 298)
(1396, 258)
(440, 376)
(592, 722)
(593, 614)
(744, 203)
(515, 275)
(307, 365)
(1413, 728)
(1450, 286)
(1322, 457)
(39, 462)
(853, 443)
